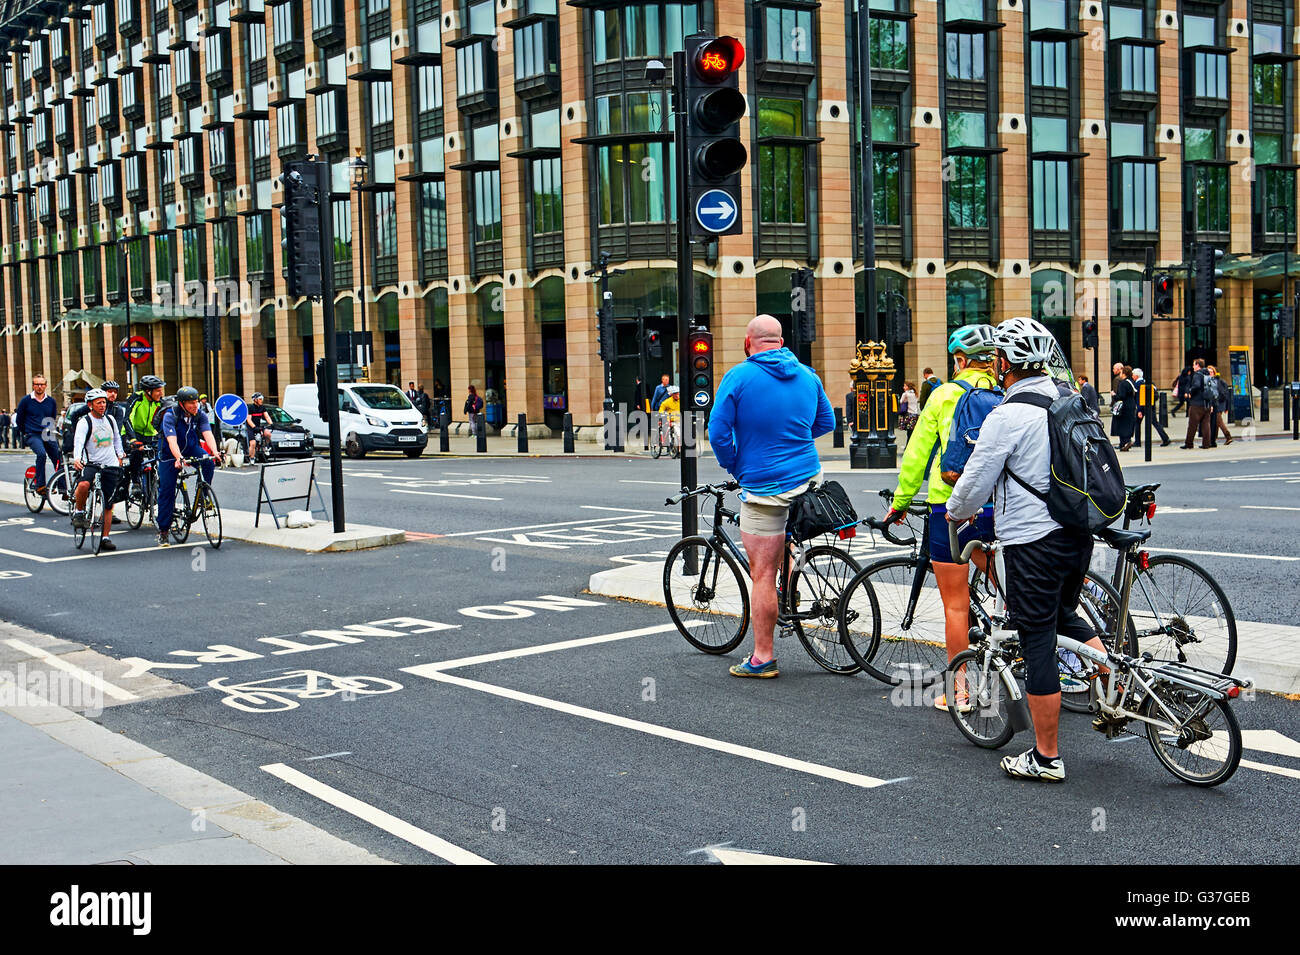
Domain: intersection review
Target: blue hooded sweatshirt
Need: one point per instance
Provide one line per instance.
(766, 413)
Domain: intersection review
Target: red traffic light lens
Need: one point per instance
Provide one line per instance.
(718, 59)
(700, 346)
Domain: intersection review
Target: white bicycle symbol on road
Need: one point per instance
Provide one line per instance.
(285, 691)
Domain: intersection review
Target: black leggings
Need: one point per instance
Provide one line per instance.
(1044, 578)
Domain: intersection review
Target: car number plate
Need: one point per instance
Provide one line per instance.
(406, 437)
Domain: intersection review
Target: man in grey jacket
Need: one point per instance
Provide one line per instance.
(1045, 562)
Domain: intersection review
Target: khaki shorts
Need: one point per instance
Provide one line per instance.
(765, 515)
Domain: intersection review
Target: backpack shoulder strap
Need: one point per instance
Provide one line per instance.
(1030, 398)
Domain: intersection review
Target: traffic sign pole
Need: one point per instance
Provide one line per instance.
(685, 302)
(324, 187)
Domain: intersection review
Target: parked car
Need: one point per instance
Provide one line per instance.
(289, 439)
(372, 417)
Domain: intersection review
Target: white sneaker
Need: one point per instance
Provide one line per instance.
(1027, 766)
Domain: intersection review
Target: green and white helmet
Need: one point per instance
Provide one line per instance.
(974, 341)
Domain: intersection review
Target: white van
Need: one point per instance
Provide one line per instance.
(372, 417)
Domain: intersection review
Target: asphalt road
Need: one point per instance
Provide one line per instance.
(622, 750)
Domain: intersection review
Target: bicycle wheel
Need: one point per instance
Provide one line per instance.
(182, 516)
(33, 500)
(709, 604)
(1181, 613)
(815, 588)
(136, 504)
(150, 485)
(59, 492)
(1099, 606)
(978, 699)
(907, 643)
(79, 533)
(1205, 749)
(205, 501)
(656, 448)
(96, 513)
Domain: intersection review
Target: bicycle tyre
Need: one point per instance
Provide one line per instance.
(97, 513)
(59, 494)
(709, 623)
(182, 516)
(30, 495)
(136, 504)
(1099, 606)
(824, 572)
(205, 499)
(1223, 748)
(79, 533)
(1187, 592)
(656, 449)
(920, 648)
(986, 719)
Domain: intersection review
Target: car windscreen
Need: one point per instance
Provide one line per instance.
(279, 415)
(382, 399)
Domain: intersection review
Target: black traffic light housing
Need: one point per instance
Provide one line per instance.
(698, 393)
(654, 345)
(803, 306)
(1089, 333)
(300, 231)
(324, 388)
(608, 330)
(715, 151)
(899, 322)
(1163, 295)
(1207, 284)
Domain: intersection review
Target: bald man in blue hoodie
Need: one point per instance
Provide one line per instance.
(767, 412)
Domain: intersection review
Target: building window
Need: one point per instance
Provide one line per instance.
(1047, 64)
(433, 217)
(889, 46)
(788, 35)
(965, 59)
(385, 220)
(1269, 84)
(535, 50)
(781, 168)
(967, 175)
(642, 30)
(970, 298)
(1133, 197)
(1210, 198)
(1126, 23)
(1137, 69)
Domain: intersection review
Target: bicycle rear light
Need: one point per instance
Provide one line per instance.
(1144, 560)
(1234, 692)
(847, 532)
(1151, 511)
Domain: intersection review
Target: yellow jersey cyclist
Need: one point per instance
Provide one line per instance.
(671, 411)
(973, 353)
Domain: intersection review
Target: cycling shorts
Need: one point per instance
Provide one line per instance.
(108, 478)
(940, 549)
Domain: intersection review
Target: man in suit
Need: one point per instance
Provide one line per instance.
(4, 428)
(1200, 407)
(1089, 394)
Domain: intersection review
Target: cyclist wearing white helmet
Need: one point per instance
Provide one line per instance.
(971, 347)
(97, 449)
(1045, 562)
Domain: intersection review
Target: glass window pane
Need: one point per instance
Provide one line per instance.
(884, 123)
(1199, 143)
(1267, 38)
(1045, 14)
(964, 10)
(966, 129)
(1125, 22)
(1127, 139)
(1268, 148)
(1198, 31)
(1050, 134)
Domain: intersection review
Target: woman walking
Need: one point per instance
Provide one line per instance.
(909, 408)
(1123, 409)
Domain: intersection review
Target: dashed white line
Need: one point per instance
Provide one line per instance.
(468, 497)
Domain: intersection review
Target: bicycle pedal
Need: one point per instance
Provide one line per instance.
(786, 631)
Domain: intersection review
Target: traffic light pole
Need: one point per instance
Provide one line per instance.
(1148, 353)
(685, 300)
(323, 187)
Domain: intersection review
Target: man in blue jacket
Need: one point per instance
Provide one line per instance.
(766, 413)
(34, 420)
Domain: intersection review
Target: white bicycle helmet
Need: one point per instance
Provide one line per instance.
(974, 341)
(94, 393)
(1025, 343)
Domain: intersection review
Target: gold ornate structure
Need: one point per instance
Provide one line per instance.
(873, 374)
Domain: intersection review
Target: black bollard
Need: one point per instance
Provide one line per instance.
(522, 428)
(480, 434)
(1286, 407)
(1164, 410)
(444, 437)
(1263, 404)
(568, 433)
(837, 436)
(1295, 413)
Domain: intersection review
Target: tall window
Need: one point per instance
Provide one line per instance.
(965, 58)
(781, 168)
(630, 177)
(970, 298)
(788, 35)
(1051, 177)
(642, 30)
(889, 45)
(967, 174)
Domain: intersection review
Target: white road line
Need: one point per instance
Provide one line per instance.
(1217, 553)
(18, 553)
(522, 477)
(652, 729)
(1265, 767)
(425, 669)
(50, 531)
(468, 497)
(85, 676)
(535, 527)
(376, 817)
(1267, 507)
(312, 759)
(627, 510)
(659, 483)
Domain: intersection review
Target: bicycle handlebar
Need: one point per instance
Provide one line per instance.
(962, 555)
(715, 489)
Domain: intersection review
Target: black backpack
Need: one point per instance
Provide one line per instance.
(1086, 491)
(824, 509)
(166, 405)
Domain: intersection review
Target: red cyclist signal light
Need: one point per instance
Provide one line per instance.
(699, 395)
(718, 58)
(1163, 288)
(713, 152)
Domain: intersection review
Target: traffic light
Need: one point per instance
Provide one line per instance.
(803, 305)
(1286, 321)
(1207, 284)
(300, 231)
(324, 387)
(700, 375)
(1089, 333)
(1163, 302)
(654, 347)
(899, 323)
(608, 331)
(714, 150)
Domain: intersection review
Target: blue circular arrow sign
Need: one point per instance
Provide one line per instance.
(716, 211)
(701, 398)
(231, 410)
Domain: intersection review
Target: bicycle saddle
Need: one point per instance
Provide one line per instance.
(1121, 539)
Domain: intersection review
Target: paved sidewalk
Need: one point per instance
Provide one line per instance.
(1268, 654)
(75, 793)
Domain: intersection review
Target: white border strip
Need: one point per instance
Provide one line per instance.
(428, 669)
(85, 676)
(376, 817)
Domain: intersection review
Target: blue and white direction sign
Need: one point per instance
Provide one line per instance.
(716, 211)
(701, 399)
(231, 410)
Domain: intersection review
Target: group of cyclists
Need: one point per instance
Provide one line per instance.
(112, 441)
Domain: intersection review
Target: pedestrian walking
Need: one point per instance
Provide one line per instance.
(929, 383)
(1222, 395)
(1123, 408)
(4, 428)
(473, 405)
(422, 403)
(767, 412)
(1199, 407)
(1181, 384)
(909, 410)
(411, 394)
(1089, 394)
(1139, 379)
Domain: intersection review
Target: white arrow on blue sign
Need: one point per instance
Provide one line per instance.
(715, 210)
(701, 398)
(231, 410)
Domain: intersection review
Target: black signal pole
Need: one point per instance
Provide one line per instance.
(1148, 316)
(685, 296)
(323, 189)
(868, 173)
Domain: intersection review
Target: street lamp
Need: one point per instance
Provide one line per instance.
(359, 167)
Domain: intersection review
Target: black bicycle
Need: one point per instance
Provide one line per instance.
(93, 523)
(708, 599)
(204, 507)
